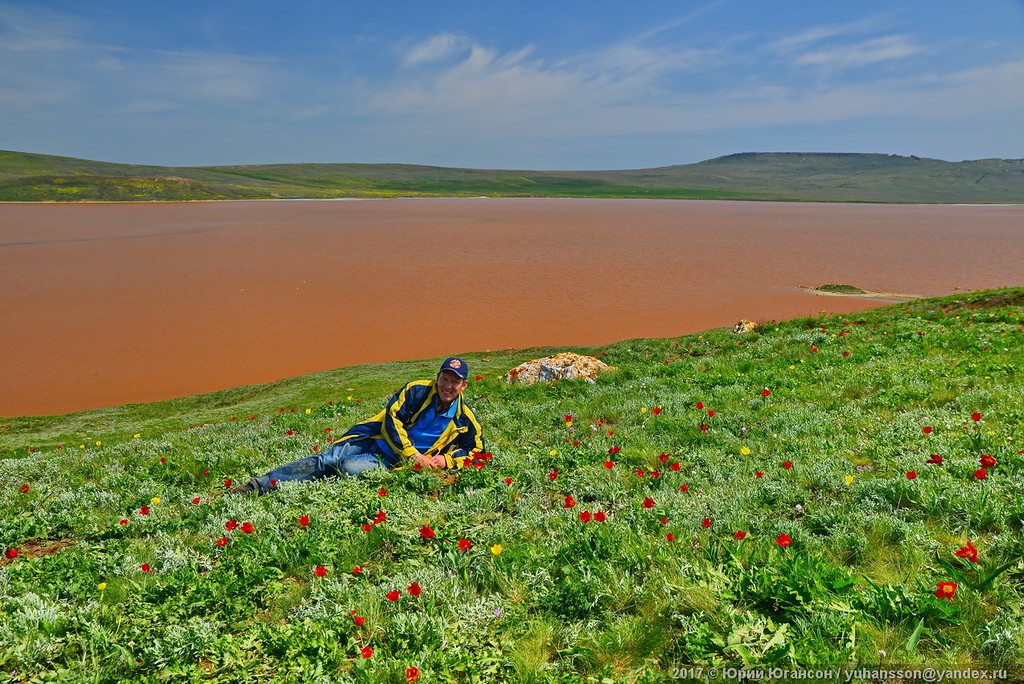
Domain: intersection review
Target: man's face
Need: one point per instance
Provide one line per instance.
(449, 386)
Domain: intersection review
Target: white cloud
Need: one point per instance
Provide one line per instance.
(632, 89)
(816, 34)
(862, 54)
(436, 48)
(514, 93)
(38, 30)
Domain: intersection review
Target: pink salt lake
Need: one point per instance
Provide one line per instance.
(106, 304)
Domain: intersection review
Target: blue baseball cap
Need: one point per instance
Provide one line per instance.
(457, 366)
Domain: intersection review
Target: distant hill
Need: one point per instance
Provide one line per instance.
(830, 177)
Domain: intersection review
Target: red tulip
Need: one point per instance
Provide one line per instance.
(987, 461)
(648, 502)
(359, 620)
(945, 590)
(981, 474)
(394, 595)
(705, 523)
(426, 532)
(911, 475)
(11, 553)
(783, 540)
(223, 541)
(366, 652)
(304, 520)
(230, 525)
(935, 458)
(765, 392)
(600, 516)
(740, 535)
(927, 430)
(968, 552)
(975, 416)
(412, 674)
(787, 464)
(569, 502)
(415, 589)
(320, 571)
(145, 567)
(465, 545)
(609, 464)
(670, 537)
(247, 528)
(584, 516)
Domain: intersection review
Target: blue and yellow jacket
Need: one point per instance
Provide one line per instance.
(461, 438)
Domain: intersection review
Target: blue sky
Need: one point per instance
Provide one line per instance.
(508, 83)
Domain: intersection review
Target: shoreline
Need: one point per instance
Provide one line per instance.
(879, 296)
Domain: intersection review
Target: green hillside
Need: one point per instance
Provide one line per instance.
(826, 493)
(768, 176)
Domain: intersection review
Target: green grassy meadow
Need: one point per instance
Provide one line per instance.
(833, 177)
(794, 497)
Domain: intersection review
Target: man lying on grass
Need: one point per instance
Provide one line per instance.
(425, 423)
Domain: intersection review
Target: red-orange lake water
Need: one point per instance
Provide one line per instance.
(106, 304)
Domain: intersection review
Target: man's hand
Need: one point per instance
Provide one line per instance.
(429, 461)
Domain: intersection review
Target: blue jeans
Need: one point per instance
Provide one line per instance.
(348, 458)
